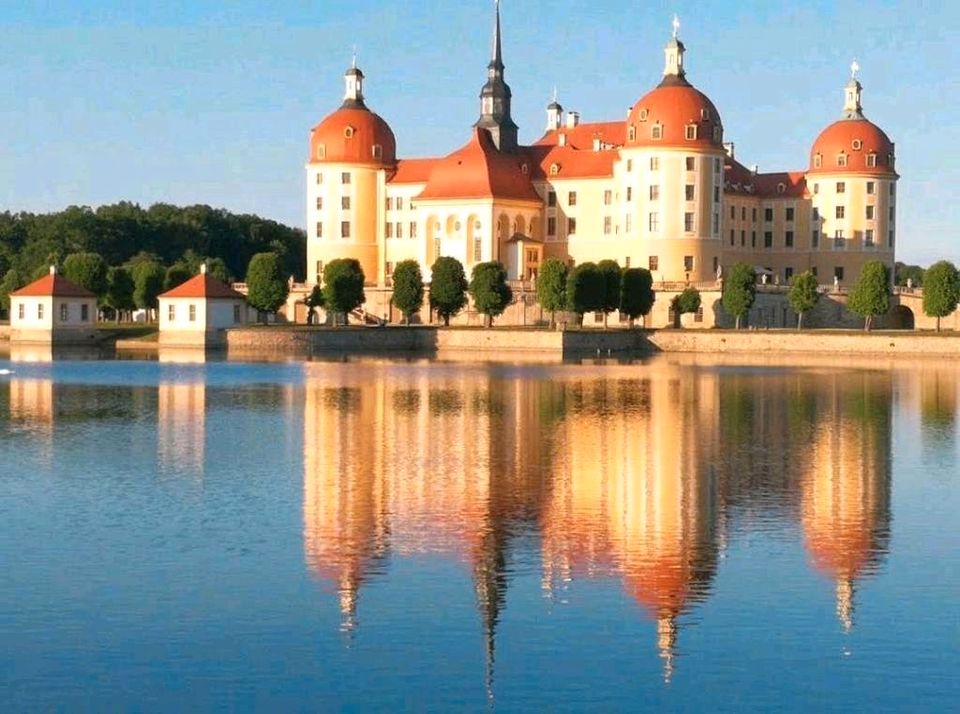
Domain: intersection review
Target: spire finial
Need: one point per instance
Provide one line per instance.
(854, 69)
(554, 93)
(676, 27)
(497, 61)
(354, 60)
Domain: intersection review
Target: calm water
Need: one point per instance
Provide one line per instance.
(673, 534)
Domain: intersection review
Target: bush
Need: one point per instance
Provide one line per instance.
(687, 302)
(343, 281)
(636, 293)
(448, 288)
(408, 288)
(489, 289)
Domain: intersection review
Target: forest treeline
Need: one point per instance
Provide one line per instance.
(123, 232)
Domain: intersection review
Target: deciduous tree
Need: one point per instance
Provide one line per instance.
(88, 270)
(148, 279)
(267, 288)
(739, 291)
(408, 288)
(687, 302)
(120, 289)
(803, 295)
(489, 289)
(870, 297)
(343, 281)
(636, 293)
(552, 287)
(448, 288)
(585, 289)
(611, 274)
(941, 290)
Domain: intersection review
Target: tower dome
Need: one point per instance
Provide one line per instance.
(353, 134)
(675, 113)
(853, 144)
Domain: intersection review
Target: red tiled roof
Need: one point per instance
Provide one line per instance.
(581, 137)
(203, 286)
(674, 105)
(479, 170)
(413, 170)
(570, 162)
(53, 286)
(739, 179)
(349, 135)
(839, 138)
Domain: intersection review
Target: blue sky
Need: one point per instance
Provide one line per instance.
(212, 102)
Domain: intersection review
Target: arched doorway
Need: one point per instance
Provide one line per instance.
(902, 318)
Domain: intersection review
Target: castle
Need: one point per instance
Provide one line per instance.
(661, 190)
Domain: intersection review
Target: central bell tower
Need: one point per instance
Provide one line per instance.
(495, 98)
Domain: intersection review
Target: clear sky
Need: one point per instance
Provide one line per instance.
(203, 101)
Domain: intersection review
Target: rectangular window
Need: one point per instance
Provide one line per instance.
(628, 223)
(236, 315)
(551, 199)
(607, 198)
(388, 269)
(654, 192)
(870, 212)
(389, 203)
(399, 203)
(839, 242)
(319, 203)
(691, 132)
(753, 239)
(716, 166)
(814, 270)
(345, 229)
(629, 193)
(893, 213)
(716, 223)
(607, 225)
(571, 226)
(22, 311)
(399, 230)
(743, 213)
(319, 272)
(788, 239)
(871, 188)
(64, 312)
(319, 179)
(787, 275)
(654, 222)
(477, 250)
(689, 192)
(691, 163)
(743, 238)
(733, 235)
(841, 212)
(816, 188)
(868, 238)
(40, 312)
(172, 313)
(838, 272)
(551, 226)
(816, 214)
(345, 203)
(890, 238)
(768, 215)
(572, 198)
(754, 214)
(871, 160)
(626, 262)
(815, 239)
(698, 315)
(841, 187)
(688, 224)
(789, 215)
(629, 165)
(688, 263)
(654, 163)
(768, 239)
(345, 178)
(193, 313)
(656, 132)
(893, 189)
(413, 229)
(319, 229)
(653, 263)
(84, 313)
(716, 194)
(733, 213)
(389, 230)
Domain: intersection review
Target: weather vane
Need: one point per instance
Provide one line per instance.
(676, 26)
(854, 68)
(354, 56)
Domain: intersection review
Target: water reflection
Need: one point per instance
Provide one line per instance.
(641, 475)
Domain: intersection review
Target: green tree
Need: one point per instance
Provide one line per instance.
(313, 301)
(408, 288)
(177, 274)
(489, 289)
(739, 291)
(636, 293)
(870, 297)
(267, 288)
(941, 290)
(88, 270)
(803, 295)
(448, 288)
(148, 279)
(585, 289)
(687, 302)
(120, 287)
(218, 269)
(343, 280)
(11, 282)
(611, 274)
(552, 287)
(904, 272)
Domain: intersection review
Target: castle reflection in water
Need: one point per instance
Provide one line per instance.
(637, 473)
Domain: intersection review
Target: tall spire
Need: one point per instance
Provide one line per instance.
(852, 107)
(495, 97)
(673, 71)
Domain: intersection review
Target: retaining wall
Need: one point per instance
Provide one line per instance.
(787, 342)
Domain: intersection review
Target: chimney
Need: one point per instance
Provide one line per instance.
(755, 169)
(53, 270)
(573, 120)
(203, 268)
(730, 148)
(562, 139)
(596, 143)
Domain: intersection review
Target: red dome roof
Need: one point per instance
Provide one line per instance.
(857, 139)
(675, 105)
(351, 135)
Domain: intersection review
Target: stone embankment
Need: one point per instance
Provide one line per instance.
(767, 342)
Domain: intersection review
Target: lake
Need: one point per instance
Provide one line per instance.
(677, 533)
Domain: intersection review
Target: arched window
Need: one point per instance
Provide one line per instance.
(348, 132)
(554, 169)
(656, 132)
(632, 133)
(321, 151)
(377, 151)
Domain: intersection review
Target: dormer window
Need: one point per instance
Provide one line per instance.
(705, 114)
(656, 132)
(691, 132)
(817, 161)
(857, 144)
(717, 134)
(871, 160)
(890, 160)
(842, 160)
(644, 114)
(321, 151)
(781, 187)
(348, 132)
(377, 151)
(632, 133)
(524, 169)
(554, 169)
